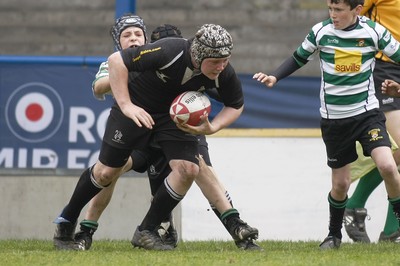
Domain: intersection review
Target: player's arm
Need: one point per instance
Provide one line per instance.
(388, 44)
(213, 93)
(391, 88)
(230, 93)
(304, 53)
(118, 76)
(102, 87)
(101, 84)
(223, 119)
(289, 66)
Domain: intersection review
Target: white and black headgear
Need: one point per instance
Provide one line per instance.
(126, 21)
(211, 41)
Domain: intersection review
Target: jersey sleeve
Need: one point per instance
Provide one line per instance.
(307, 50)
(388, 44)
(153, 56)
(102, 72)
(230, 90)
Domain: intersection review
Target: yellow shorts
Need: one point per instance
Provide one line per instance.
(363, 165)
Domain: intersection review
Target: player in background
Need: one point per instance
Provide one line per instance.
(346, 44)
(151, 160)
(168, 68)
(386, 13)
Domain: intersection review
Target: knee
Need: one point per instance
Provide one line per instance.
(104, 175)
(341, 186)
(387, 170)
(188, 170)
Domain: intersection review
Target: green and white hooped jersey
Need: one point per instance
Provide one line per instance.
(347, 60)
(102, 72)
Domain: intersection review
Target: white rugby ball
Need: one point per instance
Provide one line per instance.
(189, 107)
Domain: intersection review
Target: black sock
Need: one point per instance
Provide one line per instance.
(229, 220)
(155, 184)
(217, 213)
(336, 212)
(84, 191)
(396, 207)
(229, 214)
(164, 201)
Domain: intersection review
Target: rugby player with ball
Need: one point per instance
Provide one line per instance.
(168, 67)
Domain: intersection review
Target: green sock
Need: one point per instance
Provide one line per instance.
(93, 225)
(229, 213)
(365, 186)
(391, 224)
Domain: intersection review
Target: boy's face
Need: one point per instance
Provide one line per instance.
(132, 36)
(341, 15)
(212, 67)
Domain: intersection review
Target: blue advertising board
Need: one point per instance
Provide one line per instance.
(49, 118)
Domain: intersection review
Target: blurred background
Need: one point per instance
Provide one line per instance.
(264, 32)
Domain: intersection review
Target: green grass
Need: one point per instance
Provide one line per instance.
(204, 253)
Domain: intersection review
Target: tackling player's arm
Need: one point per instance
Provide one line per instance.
(101, 84)
(102, 87)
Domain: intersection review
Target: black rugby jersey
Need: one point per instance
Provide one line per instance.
(166, 70)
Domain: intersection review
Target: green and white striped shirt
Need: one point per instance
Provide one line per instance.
(347, 60)
(102, 72)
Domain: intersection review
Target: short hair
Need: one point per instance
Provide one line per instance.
(351, 3)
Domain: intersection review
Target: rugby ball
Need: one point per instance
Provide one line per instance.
(189, 107)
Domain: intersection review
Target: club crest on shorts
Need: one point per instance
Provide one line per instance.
(374, 133)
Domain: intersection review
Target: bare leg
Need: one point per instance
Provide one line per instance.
(100, 202)
(384, 160)
(212, 188)
(340, 182)
(95, 208)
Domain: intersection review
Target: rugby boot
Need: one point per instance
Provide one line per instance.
(85, 236)
(248, 245)
(330, 242)
(150, 240)
(64, 237)
(394, 237)
(168, 232)
(354, 223)
(240, 230)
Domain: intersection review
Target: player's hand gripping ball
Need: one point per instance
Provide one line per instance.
(189, 107)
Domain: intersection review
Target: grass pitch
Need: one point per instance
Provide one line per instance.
(204, 253)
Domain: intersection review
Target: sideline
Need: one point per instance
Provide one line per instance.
(268, 132)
